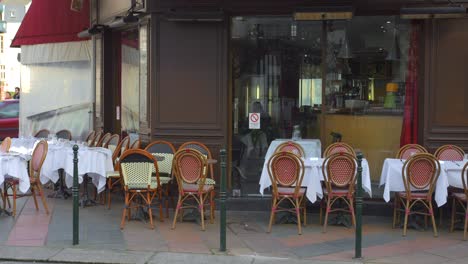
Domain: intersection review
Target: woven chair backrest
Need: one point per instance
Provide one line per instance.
(120, 149)
(102, 142)
(164, 149)
(420, 172)
(5, 146)
(285, 169)
(450, 153)
(340, 170)
(339, 147)
(97, 138)
(190, 165)
(112, 142)
(43, 133)
(37, 159)
(292, 147)
(136, 144)
(202, 148)
(90, 138)
(136, 167)
(409, 150)
(64, 134)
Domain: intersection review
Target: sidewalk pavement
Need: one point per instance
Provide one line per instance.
(35, 236)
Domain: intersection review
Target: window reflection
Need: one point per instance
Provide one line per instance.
(130, 81)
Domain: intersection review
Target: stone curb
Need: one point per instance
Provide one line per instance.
(80, 255)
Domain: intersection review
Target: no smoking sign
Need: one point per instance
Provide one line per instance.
(254, 120)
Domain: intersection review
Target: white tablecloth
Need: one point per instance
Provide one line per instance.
(312, 147)
(313, 176)
(14, 166)
(92, 161)
(450, 175)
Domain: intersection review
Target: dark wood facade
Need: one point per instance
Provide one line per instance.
(188, 87)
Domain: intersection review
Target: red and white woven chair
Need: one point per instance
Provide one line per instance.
(338, 147)
(461, 199)
(420, 174)
(291, 146)
(339, 172)
(409, 150)
(190, 170)
(286, 172)
(449, 153)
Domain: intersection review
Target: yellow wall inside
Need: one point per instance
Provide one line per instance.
(378, 137)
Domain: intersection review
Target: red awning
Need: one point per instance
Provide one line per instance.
(51, 21)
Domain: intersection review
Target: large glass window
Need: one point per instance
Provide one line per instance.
(326, 77)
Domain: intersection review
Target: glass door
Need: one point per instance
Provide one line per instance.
(276, 72)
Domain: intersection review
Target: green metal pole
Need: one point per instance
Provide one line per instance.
(222, 203)
(358, 246)
(75, 191)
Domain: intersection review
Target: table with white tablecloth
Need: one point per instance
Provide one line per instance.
(313, 176)
(450, 175)
(93, 161)
(14, 165)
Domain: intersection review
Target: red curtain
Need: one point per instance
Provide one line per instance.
(409, 132)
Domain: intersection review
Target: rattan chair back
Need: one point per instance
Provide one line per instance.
(43, 133)
(103, 140)
(37, 159)
(338, 147)
(112, 142)
(64, 134)
(5, 146)
(136, 168)
(189, 165)
(136, 144)
(291, 146)
(285, 169)
(97, 139)
(420, 172)
(204, 150)
(164, 149)
(464, 176)
(409, 150)
(339, 170)
(450, 153)
(90, 138)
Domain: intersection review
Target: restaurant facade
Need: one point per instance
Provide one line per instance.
(378, 74)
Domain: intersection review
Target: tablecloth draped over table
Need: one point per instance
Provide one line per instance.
(14, 166)
(92, 161)
(450, 175)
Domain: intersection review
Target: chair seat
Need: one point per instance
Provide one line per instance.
(210, 181)
(337, 191)
(414, 195)
(190, 188)
(290, 191)
(11, 180)
(142, 186)
(112, 174)
(460, 196)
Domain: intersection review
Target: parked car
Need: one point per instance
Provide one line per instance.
(9, 112)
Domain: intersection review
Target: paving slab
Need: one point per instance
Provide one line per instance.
(268, 260)
(76, 255)
(182, 258)
(27, 253)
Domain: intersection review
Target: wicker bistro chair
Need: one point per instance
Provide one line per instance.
(190, 170)
(420, 174)
(338, 147)
(38, 157)
(64, 134)
(114, 177)
(291, 146)
(136, 144)
(112, 142)
(90, 138)
(165, 150)
(461, 199)
(449, 153)
(43, 133)
(136, 168)
(286, 172)
(409, 150)
(339, 172)
(5, 146)
(103, 140)
(97, 139)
